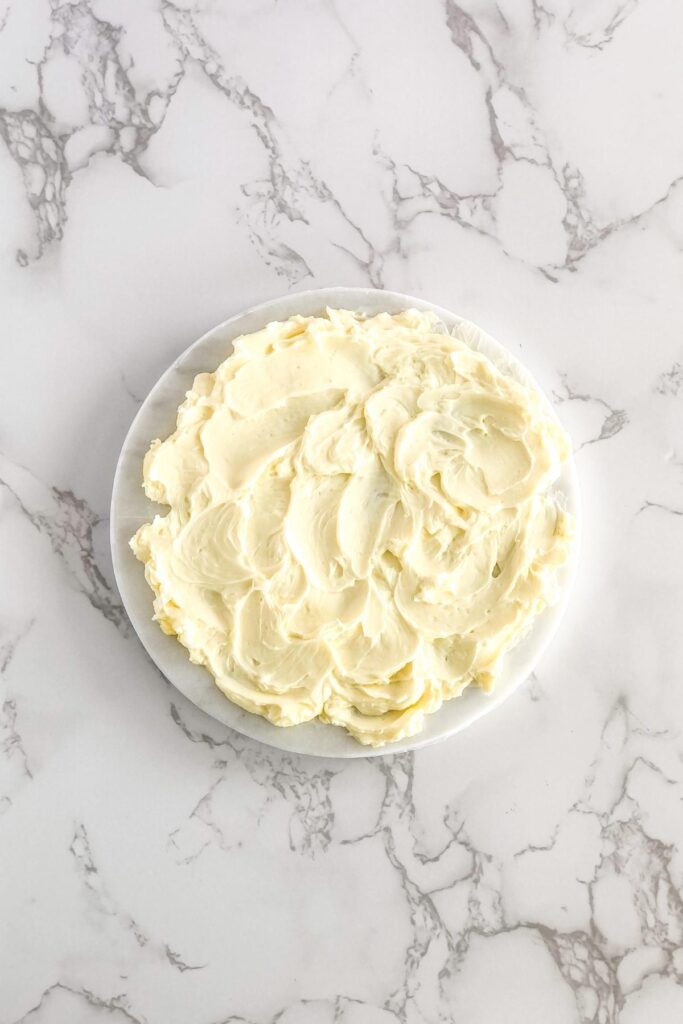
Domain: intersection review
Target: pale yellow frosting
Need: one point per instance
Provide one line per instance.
(360, 521)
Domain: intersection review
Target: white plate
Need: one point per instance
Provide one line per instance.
(130, 508)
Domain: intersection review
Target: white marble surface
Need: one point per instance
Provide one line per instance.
(165, 164)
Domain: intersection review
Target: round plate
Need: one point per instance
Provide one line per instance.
(130, 509)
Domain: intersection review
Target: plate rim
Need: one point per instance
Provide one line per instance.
(292, 740)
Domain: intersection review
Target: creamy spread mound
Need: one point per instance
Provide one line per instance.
(360, 523)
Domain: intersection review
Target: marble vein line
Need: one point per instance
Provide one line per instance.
(11, 741)
(308, 795)
(601, 36)
(664, 508)
(40, 157)
(615, 419)
(81, 851)
(116, 1006)
(670, 382)
(67, 522)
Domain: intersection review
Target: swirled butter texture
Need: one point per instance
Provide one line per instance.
(360, 522)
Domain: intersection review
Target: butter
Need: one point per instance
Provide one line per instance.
(360, 521)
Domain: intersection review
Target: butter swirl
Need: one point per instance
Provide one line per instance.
(360, 523)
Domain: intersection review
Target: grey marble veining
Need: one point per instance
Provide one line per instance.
(162, 166)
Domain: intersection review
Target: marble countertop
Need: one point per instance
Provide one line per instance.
(164, 164)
